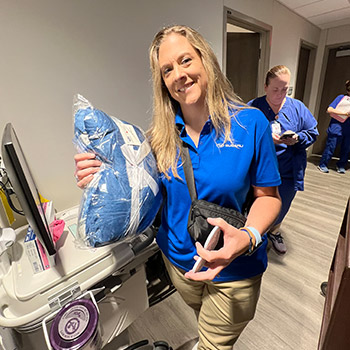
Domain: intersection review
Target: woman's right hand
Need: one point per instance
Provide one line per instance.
(236, 242)
(86, 165)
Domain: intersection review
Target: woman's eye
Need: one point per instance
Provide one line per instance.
(186, 60)
(166, 71)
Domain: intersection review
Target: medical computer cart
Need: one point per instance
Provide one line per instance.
(111, 277)
(115, 276)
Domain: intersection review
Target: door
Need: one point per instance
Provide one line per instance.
(306, 64)
(303, 64)
(246, 53)
(242, 63)
(337, 72)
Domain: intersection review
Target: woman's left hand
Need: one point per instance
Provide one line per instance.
(236, 242)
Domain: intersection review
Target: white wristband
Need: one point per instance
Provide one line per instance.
(256, 234)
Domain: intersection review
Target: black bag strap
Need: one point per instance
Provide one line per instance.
(188, 169)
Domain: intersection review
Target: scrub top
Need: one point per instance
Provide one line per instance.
(336, 127)
(295, 116)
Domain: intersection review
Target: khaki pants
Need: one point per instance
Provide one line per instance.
(223, 308)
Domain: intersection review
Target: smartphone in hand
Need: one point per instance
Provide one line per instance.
(287, 134)
(210, 244)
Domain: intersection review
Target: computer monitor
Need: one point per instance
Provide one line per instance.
(25, 188)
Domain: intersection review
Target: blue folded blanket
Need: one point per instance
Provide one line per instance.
(123, 198)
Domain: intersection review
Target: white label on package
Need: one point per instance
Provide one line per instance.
(129, 134)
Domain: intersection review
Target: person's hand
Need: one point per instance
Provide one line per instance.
(86, 165)
(236, 242)
(290, 141)
(276, 139)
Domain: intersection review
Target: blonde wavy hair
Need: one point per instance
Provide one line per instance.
(220, 100)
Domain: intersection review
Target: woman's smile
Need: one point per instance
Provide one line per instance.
(186, 87)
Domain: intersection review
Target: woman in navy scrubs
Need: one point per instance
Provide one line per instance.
(286, 114)
(338, 133)
(231, 151)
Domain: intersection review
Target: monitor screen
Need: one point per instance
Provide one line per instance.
(25, 188)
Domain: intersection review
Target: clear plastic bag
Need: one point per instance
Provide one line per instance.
(123, 198)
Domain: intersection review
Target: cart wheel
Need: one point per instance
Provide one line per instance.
(161, 345)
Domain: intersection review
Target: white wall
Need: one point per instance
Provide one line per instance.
(338, 35)
(53, 49)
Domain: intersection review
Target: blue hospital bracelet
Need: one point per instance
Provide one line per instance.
(250, 248)
(256, 234)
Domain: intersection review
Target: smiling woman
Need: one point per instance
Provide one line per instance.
(185, 77)
(231, 151)
(194, 104)
(213, 86)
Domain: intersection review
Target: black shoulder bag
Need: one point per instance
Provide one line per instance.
(200, 210)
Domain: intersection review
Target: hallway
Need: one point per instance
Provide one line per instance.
(290, 308)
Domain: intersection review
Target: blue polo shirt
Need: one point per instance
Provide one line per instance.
(295, 116)
(223, 174)
(336, 127)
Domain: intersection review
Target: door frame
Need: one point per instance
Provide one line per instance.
(322, 80)
(241, 20)
(323, 72)
(310, 69)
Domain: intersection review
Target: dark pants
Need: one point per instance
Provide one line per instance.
(287, 193)
(331, 144)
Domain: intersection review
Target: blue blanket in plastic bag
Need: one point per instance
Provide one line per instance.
(123, 198)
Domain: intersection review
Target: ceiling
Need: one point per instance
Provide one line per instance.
(323, 13)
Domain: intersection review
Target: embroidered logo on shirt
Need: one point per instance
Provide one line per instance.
(229, 144)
